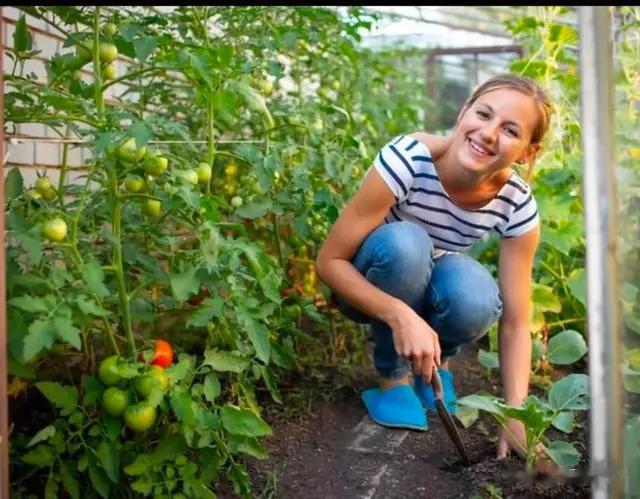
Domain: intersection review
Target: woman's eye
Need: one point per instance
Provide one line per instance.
(482, 114)
(511, 132)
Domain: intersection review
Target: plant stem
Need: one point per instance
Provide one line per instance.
(63, 171)
(211, 139)
(97, 71)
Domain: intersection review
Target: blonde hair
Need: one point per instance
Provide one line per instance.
(528, 87)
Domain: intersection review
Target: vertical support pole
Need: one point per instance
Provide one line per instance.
(4, 400)
(431, 90)
(600, 203)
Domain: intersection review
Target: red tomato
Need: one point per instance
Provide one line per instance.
(162, 354)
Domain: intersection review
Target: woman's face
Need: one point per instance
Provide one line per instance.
(495, 131)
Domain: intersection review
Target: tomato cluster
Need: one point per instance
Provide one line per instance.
(118, 398)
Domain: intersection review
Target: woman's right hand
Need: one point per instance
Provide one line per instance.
(414, 339)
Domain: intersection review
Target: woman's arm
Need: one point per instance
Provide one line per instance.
(413, 337)
(514, 269)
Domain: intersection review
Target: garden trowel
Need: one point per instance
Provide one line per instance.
(446, 418)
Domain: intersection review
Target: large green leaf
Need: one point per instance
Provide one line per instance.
(144, 46)
(258, 334)
(64, 398)
(578, 286)
(248, 445)
(483, 403)
(211, 387)
(68, 480)
(211, 307)
(225, 361)
(243, 422)
(41, 455)
(563, 453)
(13, 184)
(22, 36)
(564, 421)
(566, 347)
(93, 276)
(545, 299)
(570, 393)
(40, 336)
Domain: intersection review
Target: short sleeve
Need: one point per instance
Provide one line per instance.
(523, 218)
(395, 166)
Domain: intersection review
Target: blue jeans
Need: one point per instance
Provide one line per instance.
(454, 293)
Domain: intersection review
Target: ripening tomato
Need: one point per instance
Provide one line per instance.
(152, 208)
(162, 354)
(108, 52)
(110, 29)
(204, 173)
(110, 71)
(140, 416)
(154, 378)
(55, 229)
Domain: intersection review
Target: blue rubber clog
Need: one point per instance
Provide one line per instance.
(397, 407)
(428, 398)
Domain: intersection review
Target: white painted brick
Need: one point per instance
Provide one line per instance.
(11, 12)
(48, 154)
(23, 153)
(74, 156)
(37, 67)
(9, 30)
(36, 23)
(46, 44)
(33, 129)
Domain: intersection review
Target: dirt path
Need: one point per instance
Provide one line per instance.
(336, 451)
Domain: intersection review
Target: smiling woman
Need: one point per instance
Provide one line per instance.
(395, 256)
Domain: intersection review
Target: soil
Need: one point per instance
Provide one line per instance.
(335, 451)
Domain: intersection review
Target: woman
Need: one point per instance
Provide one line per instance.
(395, 256)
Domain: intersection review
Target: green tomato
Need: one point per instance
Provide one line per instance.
(55, 229)
(236, 201)
(204, 173)
(115, 401)
(49, 194)
(43, 184)
(32, 194)
(154, 378)
(108, 52)
(133, 183)
(110, 71)
(140, 417)
(317, 124)
(152, 208)
(129, 152)
(108, 371)
(156, 165)
(191, 176)
(265, 86)
(110, 29)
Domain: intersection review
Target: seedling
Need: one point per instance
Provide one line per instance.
(567, 395)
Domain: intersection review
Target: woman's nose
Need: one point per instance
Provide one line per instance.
(489, 133)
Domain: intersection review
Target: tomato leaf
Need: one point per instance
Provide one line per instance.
(40, 336)
(109, 457)
(243, 422)
(211, 307)
(42, 455)
(13, 184)
(42, 435)
(64, 398)
(144, 46)
(257, 332)
(139, 466)
(68, 480)
(90, 307)
(30, 303)
(184, 284)
(566, 347)
(578, 286)
(225, 361)
(211, 387)
(93, 390)
(99, 480)
(22, 36)
(248, 445)
(66, 331)
(93, 276)
(255, 209)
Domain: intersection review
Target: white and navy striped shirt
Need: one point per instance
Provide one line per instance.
(405, 165)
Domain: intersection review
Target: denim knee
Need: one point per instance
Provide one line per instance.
(397, 258)
(463, 303)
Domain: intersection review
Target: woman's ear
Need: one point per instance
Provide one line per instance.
(529, 155)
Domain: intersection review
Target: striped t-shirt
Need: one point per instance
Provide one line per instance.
(405, 165)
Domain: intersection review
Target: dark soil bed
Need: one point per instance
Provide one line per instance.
(323, 454)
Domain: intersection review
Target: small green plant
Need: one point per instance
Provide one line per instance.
(566, 396)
